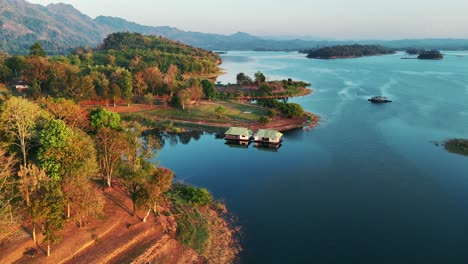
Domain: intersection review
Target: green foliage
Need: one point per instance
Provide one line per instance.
(220, 110)
(54, 204)
(264, 120)
(193, 195)
(291, 110)
(345, 51)
(259, 77)
(241, 78)
(457, 146)
(101, 118)
(192, 226)
(209, 90)
(271, 113)
(37, 50)
(53, 140)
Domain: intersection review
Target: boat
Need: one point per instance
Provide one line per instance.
(379, 99)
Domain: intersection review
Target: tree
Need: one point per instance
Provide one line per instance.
(157, 184)
(111, 145)
(183, 97)
(31, 179)
(220, 110)
(208, 89)
(53, 202)
(241, 78)
(259, 77)
(18, 120)
(170, 79)
(153, 78)
(195, 91)
(53, 141)
(68, 111)
(101, 118)
(123, 78)
(8, 216)
(37, 50)
(139, 83)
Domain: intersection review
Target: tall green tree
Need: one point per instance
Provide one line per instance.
(54, 203)
(208, 89)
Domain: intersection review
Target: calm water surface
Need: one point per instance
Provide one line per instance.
(369, 185)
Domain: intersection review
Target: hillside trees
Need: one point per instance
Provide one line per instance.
(18, 120)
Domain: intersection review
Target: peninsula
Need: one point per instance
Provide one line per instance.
(347, 51)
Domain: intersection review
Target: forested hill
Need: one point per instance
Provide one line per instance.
(127, 66)
(134, 50)
(347, 51)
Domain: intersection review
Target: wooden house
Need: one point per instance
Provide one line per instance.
(268, 136)
(238, 133)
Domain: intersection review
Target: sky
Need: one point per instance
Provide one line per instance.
(326, 19)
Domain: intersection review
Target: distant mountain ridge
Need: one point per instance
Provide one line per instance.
(61, 27)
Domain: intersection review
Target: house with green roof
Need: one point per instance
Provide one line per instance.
(238, 133)
(268, 136)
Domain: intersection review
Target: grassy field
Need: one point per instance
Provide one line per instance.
(205, 111)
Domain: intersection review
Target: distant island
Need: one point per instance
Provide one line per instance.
(457, 146)
(431, 55)
(347, 51)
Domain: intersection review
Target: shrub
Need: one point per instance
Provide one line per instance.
(264, 120)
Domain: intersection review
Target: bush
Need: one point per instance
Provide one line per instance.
(264, 120)
(271, 113)
(194, 195)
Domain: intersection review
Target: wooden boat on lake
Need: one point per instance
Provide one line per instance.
(379, 99)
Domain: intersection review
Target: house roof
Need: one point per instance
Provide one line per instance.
(268, 133)
(238, 131)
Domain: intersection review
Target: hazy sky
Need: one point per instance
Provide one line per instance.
(332, 19)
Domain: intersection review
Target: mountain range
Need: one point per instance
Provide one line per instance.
(61, 27)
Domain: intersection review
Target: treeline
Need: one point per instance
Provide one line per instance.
(347, 51)
(127, 66)
(56, 156)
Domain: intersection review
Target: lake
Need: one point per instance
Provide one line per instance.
(371, 184)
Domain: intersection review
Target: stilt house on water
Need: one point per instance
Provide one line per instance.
(268, 136)
(238, 133)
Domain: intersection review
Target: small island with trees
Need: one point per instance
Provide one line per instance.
(347, 51)
(457, 146)
(430, 55)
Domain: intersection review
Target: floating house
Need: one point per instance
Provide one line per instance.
(238, 133)
(268, 136)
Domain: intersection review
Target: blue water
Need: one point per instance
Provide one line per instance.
(369, 185)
